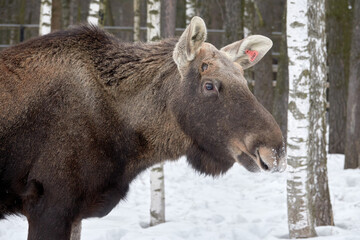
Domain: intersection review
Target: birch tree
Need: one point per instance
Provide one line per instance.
(306, 115)
(319, 189)
(189, 10)
(45, 17)
(157, 187)
(93, 17)
(136, 20)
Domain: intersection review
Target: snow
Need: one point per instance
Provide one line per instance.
(238, 205)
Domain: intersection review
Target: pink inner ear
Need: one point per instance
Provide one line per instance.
(252, 54)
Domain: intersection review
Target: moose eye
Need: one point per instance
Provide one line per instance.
(209, 86)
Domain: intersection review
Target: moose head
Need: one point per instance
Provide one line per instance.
(215, 107)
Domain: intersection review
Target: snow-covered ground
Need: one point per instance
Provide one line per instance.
(238, 205)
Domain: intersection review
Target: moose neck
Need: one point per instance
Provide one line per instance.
(143, 86)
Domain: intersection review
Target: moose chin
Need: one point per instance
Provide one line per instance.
(82, 114)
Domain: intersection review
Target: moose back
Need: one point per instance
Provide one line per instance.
(82, 114)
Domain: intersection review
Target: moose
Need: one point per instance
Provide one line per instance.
(82, 114)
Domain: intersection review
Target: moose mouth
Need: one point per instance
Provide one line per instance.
(261, 159)
(263, 165)
(252, 163)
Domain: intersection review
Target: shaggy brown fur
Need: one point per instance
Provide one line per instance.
(82, 114)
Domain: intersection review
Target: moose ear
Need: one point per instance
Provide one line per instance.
(190, 42)
(248, 51)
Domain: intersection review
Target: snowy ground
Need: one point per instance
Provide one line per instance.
(239, 205)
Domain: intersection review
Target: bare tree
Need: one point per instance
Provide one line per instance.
(168, 18)
(190, 10)
(102, 10)
(352, 148)
(56, 15)
(281, 90)
(157, 208)
(136, 20)
(233, 22)
(263, 73)
(318, 179)
(94, 9)
(248, 18)
(308, 192)
(300, 217)
(67, 18)
(338, 26)
(249, 13)
(45, 17)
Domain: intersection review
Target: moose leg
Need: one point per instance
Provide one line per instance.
(49, 226)
(76, 230)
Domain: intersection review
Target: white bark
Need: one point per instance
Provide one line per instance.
(190, 10)
(94, 8)
(45, 17)
(319, 190)
(153, 20)
(157, 207)
(301, 223)
(136, 20)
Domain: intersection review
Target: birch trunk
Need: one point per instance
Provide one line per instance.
(102, 8)
(93, 17)
(157, 207)
(136, 20)
(190, 10)
(300, 219)
(45, 17)
(319, 189)
(352, 148)
(281, 91)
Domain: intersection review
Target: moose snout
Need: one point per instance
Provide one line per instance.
(271, 159)
(259, 158)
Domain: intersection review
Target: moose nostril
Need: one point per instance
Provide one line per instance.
(263, 165)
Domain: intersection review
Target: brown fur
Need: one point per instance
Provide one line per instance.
(82, 114)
